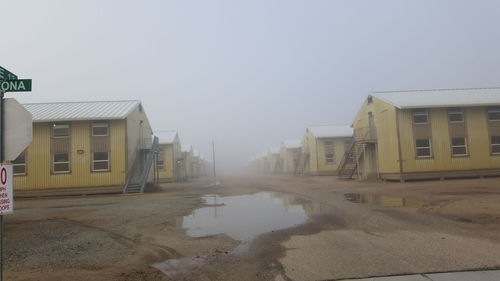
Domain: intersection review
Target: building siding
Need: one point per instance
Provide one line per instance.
(315, 147)
(477, 136)
(39, 165)
(168, 162)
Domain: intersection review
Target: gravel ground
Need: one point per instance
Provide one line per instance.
(120, 237)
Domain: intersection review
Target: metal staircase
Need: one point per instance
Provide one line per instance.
(349, 164)
(137, 175)
(300, 166)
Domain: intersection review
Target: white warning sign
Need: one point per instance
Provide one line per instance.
(6, 193)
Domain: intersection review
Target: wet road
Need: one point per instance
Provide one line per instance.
(266, 228)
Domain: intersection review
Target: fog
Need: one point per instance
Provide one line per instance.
(247, 74)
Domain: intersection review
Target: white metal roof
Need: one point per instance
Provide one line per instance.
(441, 98)
(186, 147)
(274, 150)
(331, 131)
(77, 111)
(292, 143)
(166, 137)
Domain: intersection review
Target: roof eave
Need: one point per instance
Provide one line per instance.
(75, 119)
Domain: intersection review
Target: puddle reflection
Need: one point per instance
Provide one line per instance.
(383, 200)
(243, 217)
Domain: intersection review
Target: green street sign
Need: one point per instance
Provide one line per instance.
(21, 85)
(7, 75)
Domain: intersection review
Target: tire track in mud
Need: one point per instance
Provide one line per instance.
(136, 243)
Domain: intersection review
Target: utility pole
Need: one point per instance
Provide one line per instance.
(2, 154)
(213, 159)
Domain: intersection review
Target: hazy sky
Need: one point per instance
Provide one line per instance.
(247, 74)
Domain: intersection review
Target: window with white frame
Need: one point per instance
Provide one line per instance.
(60, 130)
(420, 116)
(329, 152)
(100, 161)
(160, 164)
(19, 165)
(495, 144)
(456, 115)
(329, 158)
(100, 128)
(423, 148)
(494, 113)
(458, 146)
(61, 163)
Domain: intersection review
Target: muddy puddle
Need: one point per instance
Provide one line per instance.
(383, 200)
(243, 218)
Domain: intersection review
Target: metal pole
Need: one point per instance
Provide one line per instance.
(2, 157)
(213, 159)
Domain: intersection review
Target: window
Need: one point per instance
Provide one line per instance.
(423, 148)
(494, 113)
(99, 128)
(60, 130)
(329, 158)
(161, 165)
(369, 100)
(100, 161)
(420, 116)
(19, 165)
(495, 145)
(329, 155)
(458, 147)
(456, 115)
(60, 163)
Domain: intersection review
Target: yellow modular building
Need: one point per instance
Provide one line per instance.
(196, 164)
(186, 161)
(85, 144)
(428, 134)
(273, 159)
(289, 156)
(168, 161)
(323, 148)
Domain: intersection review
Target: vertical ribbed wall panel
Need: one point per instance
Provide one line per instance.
(39, 175)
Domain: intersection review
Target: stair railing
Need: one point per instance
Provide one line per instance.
(130, 171)
(155, 148)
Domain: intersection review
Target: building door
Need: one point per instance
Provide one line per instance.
(371, 125)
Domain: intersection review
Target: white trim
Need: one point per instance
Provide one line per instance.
(423, 147)
(459, 146)
(100, 161)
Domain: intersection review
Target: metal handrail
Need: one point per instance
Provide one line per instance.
(155, 148)
(365, 134)
(131, 168)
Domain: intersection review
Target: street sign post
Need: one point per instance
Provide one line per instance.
(21, 85)
(18, 129)
(8, 83)
(7, 75)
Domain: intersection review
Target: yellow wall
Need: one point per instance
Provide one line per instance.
(309, 148)
(338, 149)
(387, 140)
(315, 147)
(38, 160)
(167, 154)
(273, 162)
(187, 164)
(477, 138)
(288, 156)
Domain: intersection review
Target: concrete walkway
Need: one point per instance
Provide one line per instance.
(487, 275)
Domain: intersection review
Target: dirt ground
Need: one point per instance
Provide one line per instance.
(396, 228)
